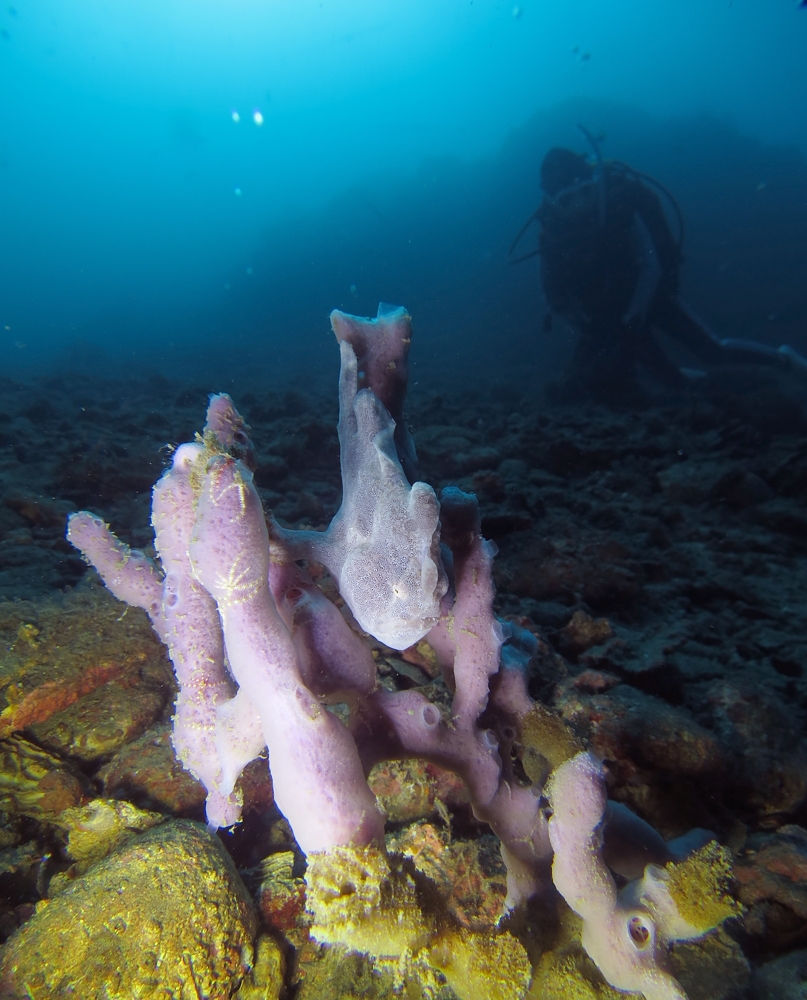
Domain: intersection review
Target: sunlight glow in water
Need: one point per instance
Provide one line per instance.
(142, 96)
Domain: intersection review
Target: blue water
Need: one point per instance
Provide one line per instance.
(383, 151)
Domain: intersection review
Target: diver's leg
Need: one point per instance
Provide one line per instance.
(679, 322)
(753, 353)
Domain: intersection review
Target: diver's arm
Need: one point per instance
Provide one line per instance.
(649, 273)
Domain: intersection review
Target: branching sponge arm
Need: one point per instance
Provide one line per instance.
(318, 779)
(622, 941)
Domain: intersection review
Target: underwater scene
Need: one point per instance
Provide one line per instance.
(403, 499)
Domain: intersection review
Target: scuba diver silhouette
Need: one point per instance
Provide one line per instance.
(610, 265)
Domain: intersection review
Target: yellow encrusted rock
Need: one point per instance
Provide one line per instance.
(358, 902)
(165, 916)
(482, 966)
(700, 886)
(364, 901)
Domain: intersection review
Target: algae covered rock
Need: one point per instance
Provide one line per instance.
(164, 917)
(784, 978)
(265, 978)
(570, 975)
(328, 973)
(95, 829)
(36, 783)
(147, 772)
(362, 900)
(79, 677)
(478, 966)
(713, 968)
(468, 876)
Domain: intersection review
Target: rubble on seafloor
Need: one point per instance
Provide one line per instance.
(659, 557)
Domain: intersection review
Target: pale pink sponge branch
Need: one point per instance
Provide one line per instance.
(318, 780)
(626, 932)
(128, 574)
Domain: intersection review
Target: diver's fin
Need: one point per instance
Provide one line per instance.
(795, 362)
